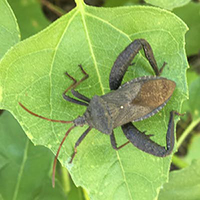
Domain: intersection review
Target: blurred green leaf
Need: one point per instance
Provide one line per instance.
(9, 31)
(29, 16)
(190, 14)
(191, 76)
(168, 4)
(193, 104)
(26, 171)
(68, 186)
(183, 184)
(193, 149)
(94, 37)
(115, 3)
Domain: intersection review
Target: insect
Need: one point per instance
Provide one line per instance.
(133, 101)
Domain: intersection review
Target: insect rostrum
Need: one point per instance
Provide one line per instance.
(133, 101)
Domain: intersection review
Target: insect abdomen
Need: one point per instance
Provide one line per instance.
(139, 99)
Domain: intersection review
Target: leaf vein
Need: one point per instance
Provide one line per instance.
(21, 170)
(92, 52)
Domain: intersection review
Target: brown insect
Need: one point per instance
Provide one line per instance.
(133, 101)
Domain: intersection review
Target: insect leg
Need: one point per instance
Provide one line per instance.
(144, 143)
(72, 100)
(80, 96)
(137, 138)
(150, 57)
(114, 144)
(75, 82)
(73, 85)
(125, 58)
(78, 142)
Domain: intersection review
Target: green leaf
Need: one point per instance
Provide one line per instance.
(169, 5)
(114, 3)
(193, 149)
(191, 77)
(193, 102)
(9, 31)
(94, 37)
(26, 169)
(183, 184)
(190, 15)
(29, 16)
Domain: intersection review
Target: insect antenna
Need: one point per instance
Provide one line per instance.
(66, 134)
(51, 120)
(56, 157)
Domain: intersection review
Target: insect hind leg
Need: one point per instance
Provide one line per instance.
(114, 144)
(125, 58)
(144, 143)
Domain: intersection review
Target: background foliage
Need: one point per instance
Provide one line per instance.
(33, 72)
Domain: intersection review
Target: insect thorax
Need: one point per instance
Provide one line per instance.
(97, 115)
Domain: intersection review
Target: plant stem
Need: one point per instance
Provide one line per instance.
(179, 162)
(187, 132)
(79, 2)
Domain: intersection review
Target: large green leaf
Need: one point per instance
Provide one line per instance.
(24, 169)
(9, 31)
(33, 73)
(183, 184)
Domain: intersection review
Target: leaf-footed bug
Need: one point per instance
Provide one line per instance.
(133, 101)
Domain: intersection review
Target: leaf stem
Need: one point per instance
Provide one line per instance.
(79, 2)
(187, 132)
(179, 162)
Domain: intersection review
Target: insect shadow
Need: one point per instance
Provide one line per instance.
(133, 101)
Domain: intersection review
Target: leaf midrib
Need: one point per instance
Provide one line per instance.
(82, 11)
(91, 50)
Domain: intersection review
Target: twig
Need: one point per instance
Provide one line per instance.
(179, 162)
(55, 9)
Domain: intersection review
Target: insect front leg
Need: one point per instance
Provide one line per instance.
(75, 93)
(78, 142)
(125, 58)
